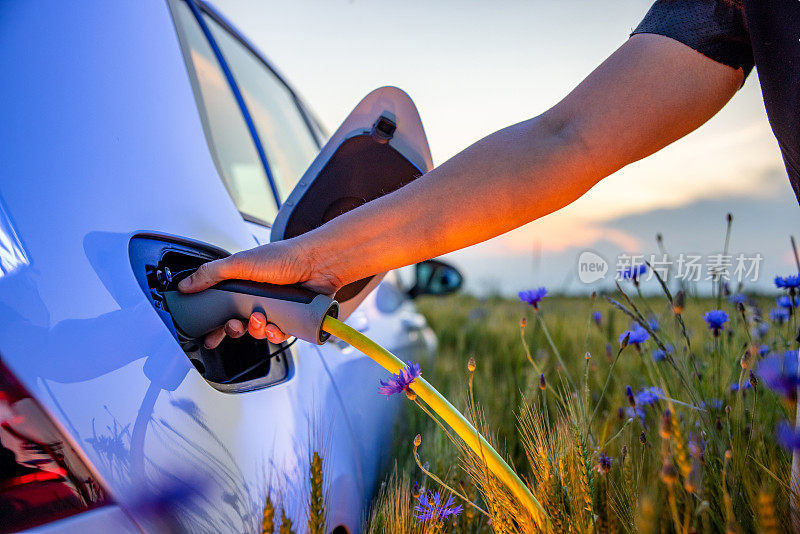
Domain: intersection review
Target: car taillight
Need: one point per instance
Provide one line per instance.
(42, 478)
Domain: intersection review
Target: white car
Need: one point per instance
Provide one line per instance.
(140, 139)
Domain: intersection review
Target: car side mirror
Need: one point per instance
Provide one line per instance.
(434, 277)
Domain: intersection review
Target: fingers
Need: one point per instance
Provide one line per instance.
(234, 328)
(209, 274)
(259, 328)
(214, 338)
(275, 335)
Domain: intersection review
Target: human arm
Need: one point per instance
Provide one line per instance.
(650, 92)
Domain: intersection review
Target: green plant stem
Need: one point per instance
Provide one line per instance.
(447, 411)
(436, 419)
(474, 415)
(528, 351)
(619, 432)
(555, 350)
(605, 386)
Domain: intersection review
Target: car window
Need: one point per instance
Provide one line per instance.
(285, 135)
(231, 144)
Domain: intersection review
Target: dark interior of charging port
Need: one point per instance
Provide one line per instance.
(236, 364)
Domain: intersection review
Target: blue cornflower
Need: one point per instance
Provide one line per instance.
(779, 372)
(633, 272)
(597, 317)
(735, 386)
(659, 355)
(533, 296)
(738, 298)
(788, 437)
(696, 446)
(430, 507)
(715, 404)
(716, 320)
(649, 396)
(603, 464)
(637, 335)
(652, 322)
(760, 330)
(636, 412)
(401, 381)
(786, 301)
(779, 315)
(787, 282)
(763, 350)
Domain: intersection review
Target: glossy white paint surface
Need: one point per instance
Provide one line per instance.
(101, 140)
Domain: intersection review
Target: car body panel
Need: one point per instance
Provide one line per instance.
(102, 519)
(103, 142)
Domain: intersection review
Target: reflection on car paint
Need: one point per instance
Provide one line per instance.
(12, 253)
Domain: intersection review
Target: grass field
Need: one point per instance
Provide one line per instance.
(693, 456)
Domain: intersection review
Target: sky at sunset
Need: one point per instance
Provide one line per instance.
(474, 67)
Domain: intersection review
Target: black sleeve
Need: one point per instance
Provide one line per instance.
(715, 28)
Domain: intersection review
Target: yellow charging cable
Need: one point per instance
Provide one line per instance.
(446, 411)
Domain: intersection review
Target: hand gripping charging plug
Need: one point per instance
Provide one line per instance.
(297, 311)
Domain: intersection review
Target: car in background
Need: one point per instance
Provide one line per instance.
(141, 139)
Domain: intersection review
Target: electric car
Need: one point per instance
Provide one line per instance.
(139, 140)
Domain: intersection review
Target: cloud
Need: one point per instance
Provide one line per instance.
(546, 252)
(560, 232)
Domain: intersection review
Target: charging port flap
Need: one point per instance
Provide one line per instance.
(379, 148)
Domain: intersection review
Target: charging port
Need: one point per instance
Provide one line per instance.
(236, 364)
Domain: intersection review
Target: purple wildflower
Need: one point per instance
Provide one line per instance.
(763, 350)
(788, 437)
(430, 507)
(760, 330)
(533, 297)
(652, 322)
(697, 447)
(735, 386)
(787, 282)
(787, 302)
(649, 396)
(633, 272)
(597, 317)
(636, 412)
(603, 464)
(638, 335)
(712, 404)
(401, 381)
(660, 355)
(779, 373)
(738, 298)
(716, 320)
(779, 315)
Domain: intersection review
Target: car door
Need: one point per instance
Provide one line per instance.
(380, 147)
(112, 175)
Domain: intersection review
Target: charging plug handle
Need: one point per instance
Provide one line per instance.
(297, 311)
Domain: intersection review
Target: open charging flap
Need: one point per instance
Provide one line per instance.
(379, 148)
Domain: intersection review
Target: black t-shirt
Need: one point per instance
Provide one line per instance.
(741, 33)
